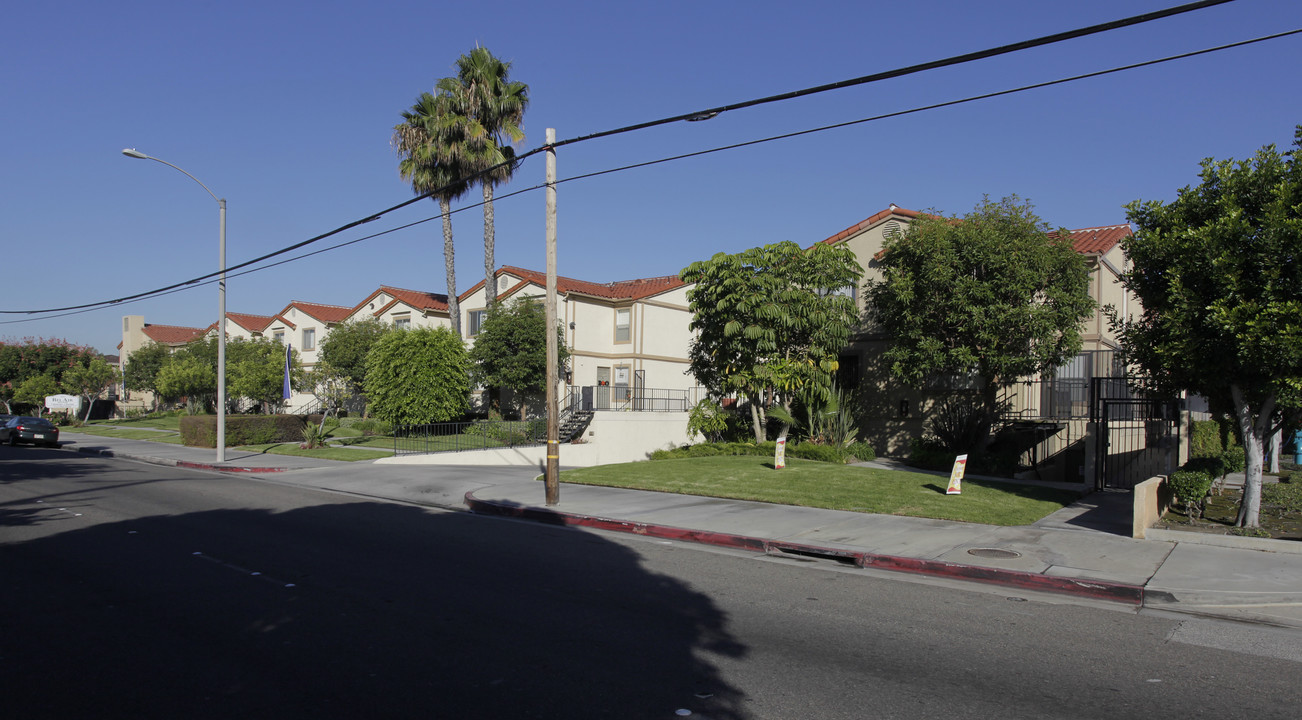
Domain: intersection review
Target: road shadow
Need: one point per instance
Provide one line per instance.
(351, 610)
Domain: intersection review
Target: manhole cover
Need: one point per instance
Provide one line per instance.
(994, 553)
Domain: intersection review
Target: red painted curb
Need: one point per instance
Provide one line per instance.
(177, 463)
(1092, 589)
(224, 468)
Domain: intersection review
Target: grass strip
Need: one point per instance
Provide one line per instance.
(838, 487)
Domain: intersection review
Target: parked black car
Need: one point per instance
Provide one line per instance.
(22, 429)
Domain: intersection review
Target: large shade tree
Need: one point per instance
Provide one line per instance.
(995, 295)
(141, 372)
(437, 150)
(346, 347)
(90, 381)
(1219, 272)
(494, 106)
(771, 323)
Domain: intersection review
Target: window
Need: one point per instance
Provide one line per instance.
(279, 336)
(623, 325)
(402, 323)
(476, 318)
(309, 339)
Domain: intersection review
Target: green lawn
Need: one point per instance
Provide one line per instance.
(839, 487)
(165, 422)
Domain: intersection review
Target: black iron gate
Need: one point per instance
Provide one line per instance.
(1137, 437)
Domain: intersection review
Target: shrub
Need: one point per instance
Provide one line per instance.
(861, 452)
(1234, 459)
(1286, 496)
(930, 454)
(1191, 487)
(804, 451)
(1205, 439)
(373, 426)
(509, 432)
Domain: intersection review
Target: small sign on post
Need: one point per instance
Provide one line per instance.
(956, 476)
(780, 454)
(63, 402)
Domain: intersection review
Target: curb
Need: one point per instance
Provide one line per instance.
(1091, 589)
(188, 464)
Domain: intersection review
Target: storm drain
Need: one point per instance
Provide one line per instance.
(994, 553)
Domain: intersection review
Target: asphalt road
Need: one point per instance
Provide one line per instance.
(134, 591)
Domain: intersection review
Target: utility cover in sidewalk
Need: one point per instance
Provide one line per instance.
(994, 553)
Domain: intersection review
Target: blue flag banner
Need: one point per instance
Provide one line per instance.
(286, 391)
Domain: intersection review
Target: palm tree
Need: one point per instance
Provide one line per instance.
(433, 143)
(485, 94)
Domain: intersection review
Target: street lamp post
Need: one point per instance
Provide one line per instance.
(221, 301)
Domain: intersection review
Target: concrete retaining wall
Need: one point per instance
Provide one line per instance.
(1152, 499)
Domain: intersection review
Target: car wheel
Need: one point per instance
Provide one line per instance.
(13, 441)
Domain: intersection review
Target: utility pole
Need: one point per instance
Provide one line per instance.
(552, 480)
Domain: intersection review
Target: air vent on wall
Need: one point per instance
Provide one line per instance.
(891, 229)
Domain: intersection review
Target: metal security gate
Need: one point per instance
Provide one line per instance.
(1137, 437)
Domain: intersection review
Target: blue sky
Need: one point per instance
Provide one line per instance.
(285, 109)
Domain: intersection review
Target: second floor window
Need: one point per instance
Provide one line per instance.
(402, 323)
(476, 322)
(309, 338)
(279, 337)
(623, 325)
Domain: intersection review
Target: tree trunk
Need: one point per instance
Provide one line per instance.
(1253, 430)
(449, 261)
(757, 417)
(1276, 446)
(490, 284)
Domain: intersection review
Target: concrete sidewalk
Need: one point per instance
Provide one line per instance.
(1077, 550)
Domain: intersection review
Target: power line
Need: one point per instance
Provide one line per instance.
(698, 115)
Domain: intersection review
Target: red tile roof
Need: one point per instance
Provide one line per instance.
(172, 334)
(619, 290)
(418, 299)
(252, 323)
(1098, 240)
(1087, 241)
(324, 313)
(864, 224)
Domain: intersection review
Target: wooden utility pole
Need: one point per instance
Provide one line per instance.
(553, 484)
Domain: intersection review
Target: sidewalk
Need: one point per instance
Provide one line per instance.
(1076, 550)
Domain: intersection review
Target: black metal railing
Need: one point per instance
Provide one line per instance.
(627, 398)
(461, 436)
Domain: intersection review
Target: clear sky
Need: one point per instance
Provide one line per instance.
(286, 108)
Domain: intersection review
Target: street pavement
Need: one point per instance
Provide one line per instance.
(1083, 550)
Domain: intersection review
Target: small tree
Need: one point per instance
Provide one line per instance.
(993, 294)
(511, 349)
(255, 369)
(330, 387)
(419, 376)
(189, 377)
(141, 372)
(1218, 274)
(771, 323)
(90, 381)
(35, 389)
(348, 345)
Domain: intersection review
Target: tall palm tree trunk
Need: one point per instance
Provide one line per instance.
(449, 261)
(490, 284)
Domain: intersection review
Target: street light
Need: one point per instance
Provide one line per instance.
(221, 302)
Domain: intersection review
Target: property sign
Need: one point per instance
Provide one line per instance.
(956, 476)
(780, 455)
(61, 402)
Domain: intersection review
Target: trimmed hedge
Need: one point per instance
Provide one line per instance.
(201, 430)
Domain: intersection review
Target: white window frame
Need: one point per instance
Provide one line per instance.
(627, 327)
(309, 339)
(475, 321)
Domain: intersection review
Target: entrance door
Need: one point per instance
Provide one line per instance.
(603, 388)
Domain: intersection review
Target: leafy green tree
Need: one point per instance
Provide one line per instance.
(419, 376)
(770, 323)
(141, 372)
(511, 349)
(494, 104)
(187, 375)
(90, 381)
(255, 369)
(35, 389)
(993, 294)
(1218, 273)
(347, 346)
(437, 150)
